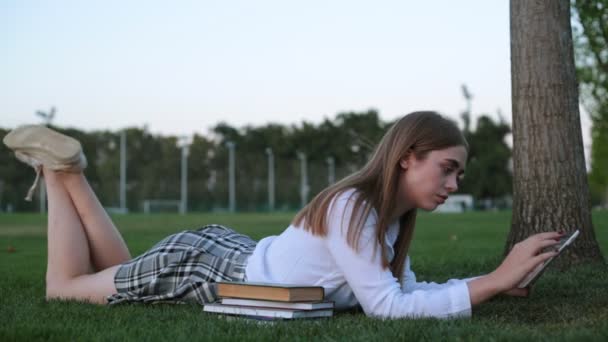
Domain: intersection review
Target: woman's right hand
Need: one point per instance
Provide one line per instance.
(525, 256)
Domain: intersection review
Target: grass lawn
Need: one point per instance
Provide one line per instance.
(569, 305)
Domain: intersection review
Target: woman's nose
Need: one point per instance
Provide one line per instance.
(452, 184)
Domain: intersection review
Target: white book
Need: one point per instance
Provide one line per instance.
(280, 305)
(258, 312)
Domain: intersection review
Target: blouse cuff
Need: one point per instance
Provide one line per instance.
(461, 300)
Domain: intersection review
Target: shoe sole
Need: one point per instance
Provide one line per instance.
(43, 159)
(40, 140)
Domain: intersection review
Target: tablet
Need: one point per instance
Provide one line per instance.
(565, 241)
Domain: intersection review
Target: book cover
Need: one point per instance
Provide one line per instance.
(276, 304)
(266, 312)
(275, 292)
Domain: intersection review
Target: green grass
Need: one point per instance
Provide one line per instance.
(569, 305)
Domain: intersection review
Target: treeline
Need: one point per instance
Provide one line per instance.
(154, 163)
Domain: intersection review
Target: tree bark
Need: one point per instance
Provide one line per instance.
(550, 189)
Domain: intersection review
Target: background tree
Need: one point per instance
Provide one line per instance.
(488, 176)
(153, 171)
(200, 174)
(14, 179)
(591, 47)
(549, 175)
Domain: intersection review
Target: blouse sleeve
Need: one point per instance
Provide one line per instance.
(377, 290)
(410, 284)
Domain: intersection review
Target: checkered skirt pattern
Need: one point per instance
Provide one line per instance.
(184, 267)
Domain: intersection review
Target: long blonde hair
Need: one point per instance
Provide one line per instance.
(376, 184)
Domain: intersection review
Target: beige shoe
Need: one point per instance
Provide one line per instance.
(53, 149)
(40, 146)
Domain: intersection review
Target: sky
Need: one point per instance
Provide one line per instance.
(181, 67)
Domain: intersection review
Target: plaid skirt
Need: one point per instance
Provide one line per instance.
(184, 267)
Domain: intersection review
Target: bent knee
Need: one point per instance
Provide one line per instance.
(93, 288)
(55, 288)
(67, 291)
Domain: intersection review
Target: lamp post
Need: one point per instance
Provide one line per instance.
(231, 177)
(48, 119)
(331, 170)
(303, 179)
(270, 178)
(184, 143)
(123, 172)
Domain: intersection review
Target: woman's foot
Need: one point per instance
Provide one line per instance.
(52, 149)
(40, 146)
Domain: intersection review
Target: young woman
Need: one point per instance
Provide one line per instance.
(352, 238)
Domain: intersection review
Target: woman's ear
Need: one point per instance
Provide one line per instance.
(403, 163)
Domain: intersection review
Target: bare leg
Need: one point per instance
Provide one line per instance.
(69, 269)
(106, 245)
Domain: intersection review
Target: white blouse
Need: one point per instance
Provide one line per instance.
(350, 277)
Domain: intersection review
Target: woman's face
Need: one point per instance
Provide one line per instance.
(426, 183)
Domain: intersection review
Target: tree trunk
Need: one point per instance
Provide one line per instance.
(550, 189)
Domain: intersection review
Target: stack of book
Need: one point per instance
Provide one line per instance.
(270, 301)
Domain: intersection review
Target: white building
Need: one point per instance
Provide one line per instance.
(456, 204)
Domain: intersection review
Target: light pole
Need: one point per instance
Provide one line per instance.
(270, 178)
(184, 143)
(48, 119)
(331, 170)
(466, 115)
(303, 179)
(231, 177)
(123, 172)
(468, 97)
